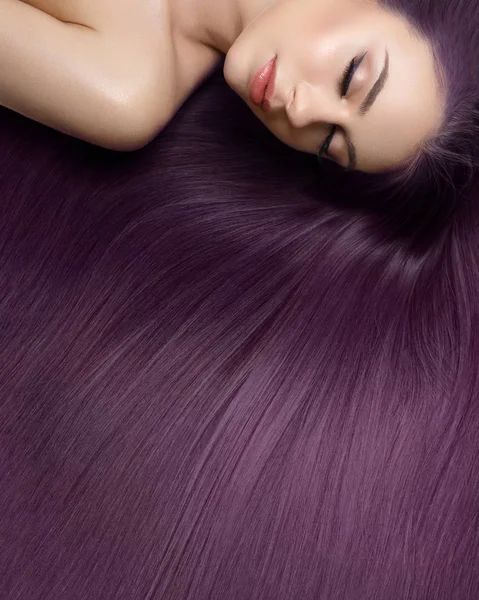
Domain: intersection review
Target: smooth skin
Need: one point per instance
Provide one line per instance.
(111, 72)
(114, 72)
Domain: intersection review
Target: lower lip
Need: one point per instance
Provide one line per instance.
(262, 85)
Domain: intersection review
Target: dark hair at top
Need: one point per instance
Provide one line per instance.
(451, 27)
(433, 179)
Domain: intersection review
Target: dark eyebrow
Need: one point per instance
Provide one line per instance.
(363, 109)
(376, 89)
(366, 105)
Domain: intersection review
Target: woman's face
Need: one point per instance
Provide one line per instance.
(343, 63)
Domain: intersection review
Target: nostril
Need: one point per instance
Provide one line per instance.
(297, 106)
(292, 96)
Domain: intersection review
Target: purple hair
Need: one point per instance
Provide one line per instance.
(444, 164)
(220, 381)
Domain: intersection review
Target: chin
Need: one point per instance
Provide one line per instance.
(230, 70)
(236, 70)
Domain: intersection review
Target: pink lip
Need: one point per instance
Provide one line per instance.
(262, 85)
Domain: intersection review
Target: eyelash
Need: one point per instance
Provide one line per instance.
(346, 80)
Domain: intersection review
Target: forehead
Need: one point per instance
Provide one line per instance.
(410, 107)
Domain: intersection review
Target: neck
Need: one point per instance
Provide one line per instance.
(218, 23)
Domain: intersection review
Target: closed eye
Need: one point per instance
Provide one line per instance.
(349, 74)
(344, 85)
(327, 142)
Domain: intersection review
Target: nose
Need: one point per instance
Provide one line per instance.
(313, 105)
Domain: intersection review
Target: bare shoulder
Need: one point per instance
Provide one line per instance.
(122, 68)
(174, 62)
(190, 60)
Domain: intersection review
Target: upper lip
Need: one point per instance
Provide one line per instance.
(262, 85)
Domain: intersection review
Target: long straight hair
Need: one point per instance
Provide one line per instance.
(222, 379)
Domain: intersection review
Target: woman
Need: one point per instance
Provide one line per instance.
(369, 84)
(219, 381)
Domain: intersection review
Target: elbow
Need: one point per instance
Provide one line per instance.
(132, 121)
(130, 130)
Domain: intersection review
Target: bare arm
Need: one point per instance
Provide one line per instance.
(79, 80)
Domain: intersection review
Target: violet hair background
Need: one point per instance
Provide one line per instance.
(447, 162)
(419, 198)
(220, 381)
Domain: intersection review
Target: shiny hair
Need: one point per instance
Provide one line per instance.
(219, 381)
(448, 158)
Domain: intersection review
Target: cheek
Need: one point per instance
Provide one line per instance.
(323, 52)
(298, 140)
(386, 138)
(328, 46)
